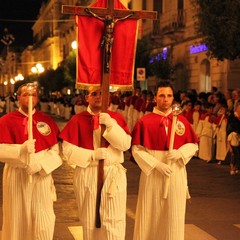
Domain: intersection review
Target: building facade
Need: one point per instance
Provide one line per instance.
(53, 34)
(173, 31)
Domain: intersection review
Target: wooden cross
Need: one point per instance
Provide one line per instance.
(114, 14)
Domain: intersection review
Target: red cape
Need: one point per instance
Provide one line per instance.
(13, 129)
(204, 115)
(150, 132)
(218, 119)
(79, 130)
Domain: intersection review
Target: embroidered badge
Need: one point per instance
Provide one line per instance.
(180, 128)
(43, 128)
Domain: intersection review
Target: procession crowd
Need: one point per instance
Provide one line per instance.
(214, 116)
(207, 125)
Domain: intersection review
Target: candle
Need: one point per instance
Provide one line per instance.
(30, 122)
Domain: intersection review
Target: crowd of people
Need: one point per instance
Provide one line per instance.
(213, 116)
(207, 127)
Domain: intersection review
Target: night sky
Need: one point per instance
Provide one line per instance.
(12, 16)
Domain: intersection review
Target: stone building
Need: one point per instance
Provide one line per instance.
(173, 32)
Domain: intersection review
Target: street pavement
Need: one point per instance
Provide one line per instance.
(213, 212)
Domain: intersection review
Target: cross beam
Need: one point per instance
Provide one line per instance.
(116, 13)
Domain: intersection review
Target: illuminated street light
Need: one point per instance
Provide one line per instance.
(12, 81)
(74, 45)
(19, 77)
(38, 68)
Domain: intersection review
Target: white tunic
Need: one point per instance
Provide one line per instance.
(221, 141)
(113, 195)
(28, 207)
(205, 133)
(158, 218)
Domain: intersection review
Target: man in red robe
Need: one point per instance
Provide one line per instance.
(28, 205)
(82, 148)
(157, 217)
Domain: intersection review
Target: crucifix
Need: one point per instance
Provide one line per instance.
(110, 17)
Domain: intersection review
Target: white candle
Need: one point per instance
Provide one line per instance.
(30, 122)
(30, 133)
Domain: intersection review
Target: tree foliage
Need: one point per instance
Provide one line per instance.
(144, 48)
(69, 67)
(161, 65)
(149, 55)
(218, 23)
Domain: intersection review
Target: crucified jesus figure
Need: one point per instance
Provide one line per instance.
(107, 40)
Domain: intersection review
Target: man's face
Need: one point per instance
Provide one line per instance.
(197, 107)
(164, 98)
(24, 97)
(94, 98)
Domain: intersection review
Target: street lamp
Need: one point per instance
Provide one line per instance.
(74, 45)
(19, 77)
(12, 81)
(7, 39)
(38, 68)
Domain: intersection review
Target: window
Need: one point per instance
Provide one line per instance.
(180, 4)
(157, 6)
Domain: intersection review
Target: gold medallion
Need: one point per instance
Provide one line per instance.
(180, 128)
(43, 128)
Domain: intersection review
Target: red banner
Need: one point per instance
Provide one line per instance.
(90, 61)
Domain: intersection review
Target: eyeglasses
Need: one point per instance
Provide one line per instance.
(94, 94)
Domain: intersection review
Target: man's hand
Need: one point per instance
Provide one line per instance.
(164, 169)
(33, 167)
(173, 155)
(28, 147)
(100, 153)
(104, 118)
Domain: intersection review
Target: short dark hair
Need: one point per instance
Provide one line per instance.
(19, 90)
(163, 84)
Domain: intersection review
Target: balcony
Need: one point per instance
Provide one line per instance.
(169, 24)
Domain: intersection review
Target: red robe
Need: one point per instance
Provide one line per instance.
(218, 120)
(150, 132)
(79, 131)
(188, 115)
(14, 129)
(139, 102)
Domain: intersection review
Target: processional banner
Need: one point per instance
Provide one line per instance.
(90, 32)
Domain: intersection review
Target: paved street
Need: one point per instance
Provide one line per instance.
(213, 213)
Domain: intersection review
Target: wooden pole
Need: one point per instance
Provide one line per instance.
(105, 101)
(30, 121)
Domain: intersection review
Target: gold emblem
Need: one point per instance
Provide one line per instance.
(43, 128)
(180, 128)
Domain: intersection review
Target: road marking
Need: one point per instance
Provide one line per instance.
(130, 213)
(192, 232)
(76, 231)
